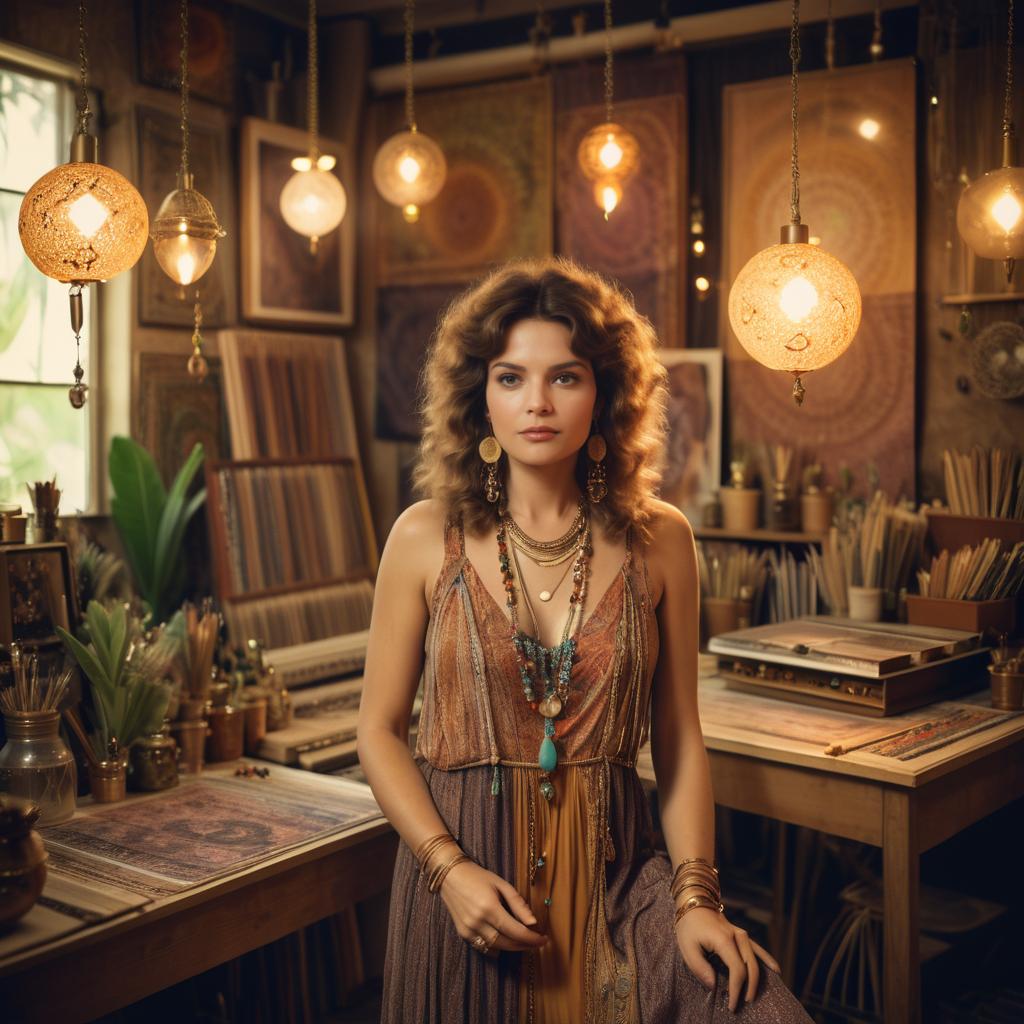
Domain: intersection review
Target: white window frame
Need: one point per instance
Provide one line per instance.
(28, 62)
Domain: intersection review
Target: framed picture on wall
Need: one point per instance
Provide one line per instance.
(161, 301)
(693, 458)
(282, 281)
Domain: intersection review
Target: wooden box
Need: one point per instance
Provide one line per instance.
(973, 616)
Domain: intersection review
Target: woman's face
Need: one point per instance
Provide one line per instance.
(540, 394)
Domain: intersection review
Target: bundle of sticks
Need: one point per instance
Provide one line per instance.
(985, 482)
(792, 587)
(727, 569)
(879, 547)
(982, 573)
(202, 626)
(29, 693)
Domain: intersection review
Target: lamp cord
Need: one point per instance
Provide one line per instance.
(1008, 98)
(84, 111)
(609, 74)
(794, 56)
(408, 17)
(184, 88)
(313, 89)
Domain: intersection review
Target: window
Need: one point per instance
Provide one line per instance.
(41, 435)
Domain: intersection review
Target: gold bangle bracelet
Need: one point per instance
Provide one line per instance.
(442, 874)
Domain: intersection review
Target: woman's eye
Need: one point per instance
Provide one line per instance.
(506, 377)
(570, 377)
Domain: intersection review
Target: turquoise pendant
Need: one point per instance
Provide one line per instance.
(548, 755)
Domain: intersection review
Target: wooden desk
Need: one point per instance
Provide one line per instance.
(904, 807)
(112, 964)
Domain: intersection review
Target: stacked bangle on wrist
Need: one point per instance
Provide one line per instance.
(437, 855)
(695, 884)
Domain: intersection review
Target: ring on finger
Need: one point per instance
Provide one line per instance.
(481, 945)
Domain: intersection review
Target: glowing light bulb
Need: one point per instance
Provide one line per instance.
(325, 162)
(185, 263)
(88, 214)
(408, 169)
(611, 153)
(301, 163)
(869, 128)
(797, 298)
(702, 284)
(411, 213)
(935, 100)
(698, 247)
(1006, 211)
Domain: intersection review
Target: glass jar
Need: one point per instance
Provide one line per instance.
(154, 762)
(36, 764)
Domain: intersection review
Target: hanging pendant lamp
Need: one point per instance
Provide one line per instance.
(82, 222)
(313, 201)
(794, 307)
(186, 229)
(409, 168)
(608, 154)
(990, 214)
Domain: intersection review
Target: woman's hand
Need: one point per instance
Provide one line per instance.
(474, 897)
(703, 929)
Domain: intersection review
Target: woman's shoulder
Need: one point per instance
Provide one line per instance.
(668, 529)
(415, 547)
(422, 523)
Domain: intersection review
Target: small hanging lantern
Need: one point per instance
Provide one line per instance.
(409, 168)
(990, 214)
(608, 154)
(82, 222)
(186, 229)
(793, 306)
(313, 201)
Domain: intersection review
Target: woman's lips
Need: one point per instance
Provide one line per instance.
(540, 434)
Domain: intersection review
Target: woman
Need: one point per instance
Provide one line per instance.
(550, 602)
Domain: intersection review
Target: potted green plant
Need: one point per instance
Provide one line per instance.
(127, 701)
(152, 521)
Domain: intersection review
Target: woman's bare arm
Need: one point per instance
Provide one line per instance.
(394, 661)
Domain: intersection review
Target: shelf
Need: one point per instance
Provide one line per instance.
(757, 536)
(974, 298)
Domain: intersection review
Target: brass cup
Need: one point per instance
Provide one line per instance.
(1007, 690)
(108, 781)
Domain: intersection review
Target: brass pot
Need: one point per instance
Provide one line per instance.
(108, 780)
(1007, 689)
(191, 738)
(255, 710)
(22, 859)
(227, 734)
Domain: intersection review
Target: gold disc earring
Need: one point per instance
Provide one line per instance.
(490, 451)
(597, 486)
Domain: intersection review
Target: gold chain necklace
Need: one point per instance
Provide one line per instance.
(547, 552)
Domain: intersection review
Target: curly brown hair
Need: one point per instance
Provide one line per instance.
(606, 329)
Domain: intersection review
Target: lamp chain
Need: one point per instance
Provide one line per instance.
(184, 89)
(609, 75)
(84, 111)
(313, 87)
(794, 56)
(1008, 99)
(410, 113)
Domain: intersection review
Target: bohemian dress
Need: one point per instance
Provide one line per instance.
(584, 861)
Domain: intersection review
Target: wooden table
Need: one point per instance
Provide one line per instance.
(109, 965)
(904, 807)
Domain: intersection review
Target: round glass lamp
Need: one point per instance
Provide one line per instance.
(990, 215)
(608, 151)
(82, 221)
(313, 201)
(185, 233)
(607, 195)
(794, 307)
(409, 170)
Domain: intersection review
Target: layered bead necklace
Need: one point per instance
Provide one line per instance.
(545, 671)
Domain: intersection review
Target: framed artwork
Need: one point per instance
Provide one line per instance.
(693, 448)
(496, 203)
(174, 411)
(639, 244)
(858, 195)
(282, 282)
(37, 593)
(211, 47)
(161, 301)
(406, 318)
